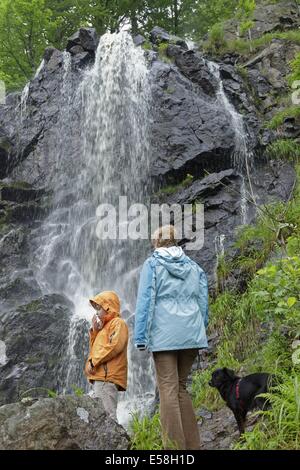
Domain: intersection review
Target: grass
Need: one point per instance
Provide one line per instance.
(245, 47)
(172, 189)
(162, 52)
(278, 119)
(284, 149)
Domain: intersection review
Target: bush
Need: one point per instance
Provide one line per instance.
(280, 426)
(146, 433)
(216, 41)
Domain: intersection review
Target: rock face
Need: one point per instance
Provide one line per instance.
(191, 131)
(267, 73)
(277, 16)
(35, 336)
(63, 423)
(85, 39)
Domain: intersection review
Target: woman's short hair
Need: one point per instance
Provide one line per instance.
(164, 236)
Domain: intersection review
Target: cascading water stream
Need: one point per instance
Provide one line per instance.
(242, 155)
(114, 99)
(220, 251)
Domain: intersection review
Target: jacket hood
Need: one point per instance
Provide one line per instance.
(109, 301)
(174, 260)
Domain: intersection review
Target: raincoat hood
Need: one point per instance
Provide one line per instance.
(109, 301)
(174, 260)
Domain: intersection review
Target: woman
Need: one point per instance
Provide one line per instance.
(170, 321)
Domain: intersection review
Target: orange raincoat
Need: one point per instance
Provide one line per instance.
(108, 347)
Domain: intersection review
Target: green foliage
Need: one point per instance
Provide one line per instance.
(78, 391)
(278, 119)
(241, 46)
(203, 15)
(162, 52)
(284, 149)
(23, 26)
(146, 432)
(171, 189)
(280, 426)
(49, 393)
(295, 69)
(203, 395)
(276, 292)
(216, 41)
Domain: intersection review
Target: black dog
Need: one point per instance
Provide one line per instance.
(240, 394)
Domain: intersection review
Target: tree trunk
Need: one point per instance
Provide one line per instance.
(134, 23)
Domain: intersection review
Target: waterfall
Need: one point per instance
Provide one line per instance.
(39, 69)
(23, 100)
(242, 156)
(220, 251)
(114, 101)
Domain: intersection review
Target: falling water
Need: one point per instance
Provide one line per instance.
(114, 102)
(23, 101)
(39, 69)
(242, 156)
(220, 251)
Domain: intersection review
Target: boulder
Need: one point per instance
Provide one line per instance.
(82, 59)
(61, 423)
(192, 65)
(139, 40)
(86, 38)
(158, 35)
(76, 50)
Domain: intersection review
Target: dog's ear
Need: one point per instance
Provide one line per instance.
(229, 372)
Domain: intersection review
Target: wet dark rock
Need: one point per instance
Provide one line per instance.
(178, 41)
(5, 150)
(189, 133)
(158, 35)
(55, 60)
(193, 66)
(19, 192)
(76, 50)
(61, 423)
(49, 51)
(35, 336)
(18, 292)
(139, 40)
(86, 38)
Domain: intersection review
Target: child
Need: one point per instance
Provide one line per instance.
(106, 367)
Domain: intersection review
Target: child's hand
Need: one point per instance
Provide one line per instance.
(91, 370)
(96, 323)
